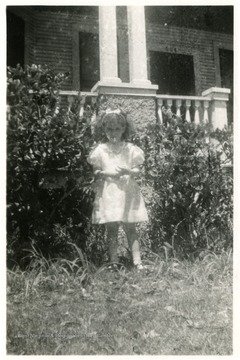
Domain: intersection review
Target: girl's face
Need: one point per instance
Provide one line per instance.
(114, 132)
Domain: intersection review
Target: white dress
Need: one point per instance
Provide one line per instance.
(117, 199)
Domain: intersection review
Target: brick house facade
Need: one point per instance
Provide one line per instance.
(179, 60)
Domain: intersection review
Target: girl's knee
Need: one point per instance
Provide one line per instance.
(130, 228)
(112, 227)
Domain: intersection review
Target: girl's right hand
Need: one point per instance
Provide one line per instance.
(110, 173)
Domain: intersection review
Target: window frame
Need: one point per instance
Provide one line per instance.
(217, 46)
(77, 28)
(27, 32)
(181, 51)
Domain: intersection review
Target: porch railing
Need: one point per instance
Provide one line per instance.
(191, 108)
(69, 97)
(211, 107)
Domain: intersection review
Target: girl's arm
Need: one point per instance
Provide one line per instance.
(124, 170)
(119, 171)
(135, 171)
(105, 173)
(96, 171)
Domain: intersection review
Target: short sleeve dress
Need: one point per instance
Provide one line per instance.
(117, 199)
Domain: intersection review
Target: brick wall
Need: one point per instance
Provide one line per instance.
(198, 43)
(52, 39)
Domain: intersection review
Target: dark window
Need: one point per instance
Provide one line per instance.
(226, 67)
(15, 40)
(89, 60)
(226, 71)
(173, 73)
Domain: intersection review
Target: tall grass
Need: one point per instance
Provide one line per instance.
(173, 307)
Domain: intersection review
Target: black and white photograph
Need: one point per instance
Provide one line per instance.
(119, 212)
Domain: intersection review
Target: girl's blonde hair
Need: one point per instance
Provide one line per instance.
(113, 115)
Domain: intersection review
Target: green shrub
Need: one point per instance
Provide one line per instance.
(49, 197)
(45, 206)
(189, 194)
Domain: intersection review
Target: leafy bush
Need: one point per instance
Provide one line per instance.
(189, 192)
(46, 207)
(49, 198)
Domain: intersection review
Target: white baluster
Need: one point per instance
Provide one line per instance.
(70, 100)
(178, 107)
(93, 121)
(205, 114)
(169, 104)
(196, 115)
(82, 102)
(93, 100)
(159, 111)
(188, 117)
(169, 109)
(94, 114)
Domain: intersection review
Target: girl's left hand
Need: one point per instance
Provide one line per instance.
(123, 170)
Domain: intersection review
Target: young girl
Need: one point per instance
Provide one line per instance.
(118, 198)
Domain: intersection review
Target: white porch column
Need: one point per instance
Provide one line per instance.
(109, 82)
(137, 45)
(108, 44)
(219, 120)
(219, 98)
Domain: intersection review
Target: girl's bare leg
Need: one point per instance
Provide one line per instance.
(112, 237)
(133, 243)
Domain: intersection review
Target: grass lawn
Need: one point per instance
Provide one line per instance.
(171, 308)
